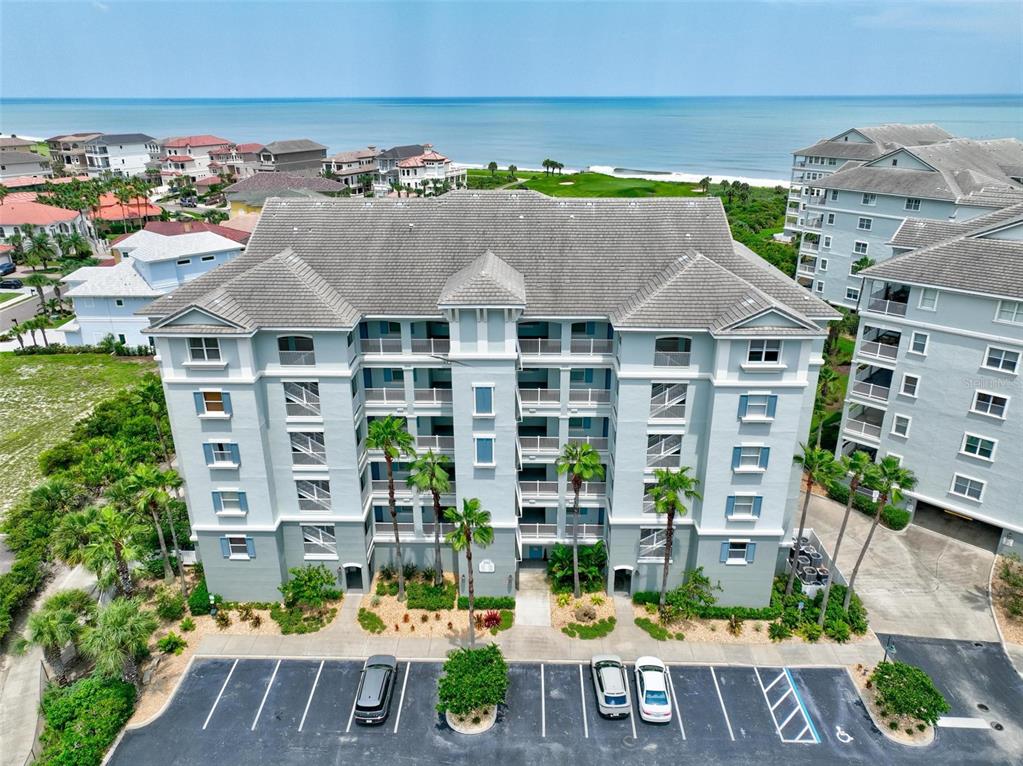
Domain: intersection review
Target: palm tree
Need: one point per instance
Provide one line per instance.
(119, 639)
(59, 622)
(862, 263)
(472, 525)
(512, 170)
(818, 466)
(492, 167)
(390, 435)
(104, 540)
(41, 248)
(547, 166)
(856, 466)
(826, 378)
(428, 473)
(582, 463)
(889, 478)
(705, 183)
(140, 187)
(124, 196)
(4, 191)
(39, 323)
(19, 330)
(668, 492)
(153, 494)
(728, 190)
(79, 245)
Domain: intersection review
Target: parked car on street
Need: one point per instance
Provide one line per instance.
(11, 284)
(652, 690)
(7, 268)
(610, 685)
(376, 688)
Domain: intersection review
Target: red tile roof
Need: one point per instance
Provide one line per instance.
(112, 210)
(249, 148)
(177, 158)
(204, 140)
(20, 212)
(422, 159)
(173, 228)
(17, 183)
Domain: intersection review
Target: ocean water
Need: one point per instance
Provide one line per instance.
(751, 137)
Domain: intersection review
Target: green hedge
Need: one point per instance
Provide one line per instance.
(488, 602)
(892, 517)
(82, 720)
(715, 612)
(433, 598)
(473, 679)
(906, 690)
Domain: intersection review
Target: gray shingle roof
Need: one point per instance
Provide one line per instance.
(18, 157)
(123, 138)
(585, 257)
(487, 281)
(915, 233)
(883, 138)
(293, 145)
(271, 182)
(402, 152)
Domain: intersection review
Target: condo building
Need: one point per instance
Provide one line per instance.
(937, 365)
(500, 326)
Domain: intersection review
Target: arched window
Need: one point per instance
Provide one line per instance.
(672, 352)
(296, 350)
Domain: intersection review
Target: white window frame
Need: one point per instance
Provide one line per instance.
(222, 458)
(1005, 406)
(895, 455)
(320, 540)
(1017, 312)
(207, 258)
(763, 351)
(968, 435)
(749, 503)
(869, 199)
(206, 345)
(731, 561)
(184, 262)
(755, 466)
(235, 507)
(912, 343)
(965, 496)
(476, 438)
(855, 298)
(987, 354)
(909, 423)
(119, 302)
(826, 241)
(830, 220)
(309, 445)
(756, 410)
(926, 292)
(818, 286)
(910, 203)
(857, 243)
(864, 220)
(906, 377)
(207, 412)
(493, 408)
(235, 555)
(823, 262)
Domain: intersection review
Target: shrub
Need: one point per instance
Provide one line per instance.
(297, 620)
(409, 572)
(187, 625)
(488, 602)
(473, 679)
(387, 572)
(811, 631)
(83, 719)
(256, 620)
(491, 619)
(656, 632)
(432, 598)
(585, 613)
(735, 625)
(309, 587)
(592, 562)
(564, 599)
(222, 618)
(387, 588)
(778, 631)
(370, 621)
(597, 629)
(507, 619)
(906, 690)
(170, 604)
(837, 630)
(428, 575)
(172, 643)
(895, 518)
(597, 600)
(199, 599)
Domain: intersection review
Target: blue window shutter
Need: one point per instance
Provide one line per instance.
(765, 453)
(207, 450)
(235, 454)
(724, 552)
(605, 427)
(243, 501)
(225, 549)
(730, 505)
(772, 404)
(751, 552)
(200, 406)
(250, 546)
(607, 379)
(757, 502)
(227, 402)
(743, 405)
(218, 502)
(736, 454)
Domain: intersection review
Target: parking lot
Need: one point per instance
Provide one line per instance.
(294, 711)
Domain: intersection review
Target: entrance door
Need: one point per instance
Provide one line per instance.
(623, 581)
(353, 579)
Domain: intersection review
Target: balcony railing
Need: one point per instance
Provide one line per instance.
(538, 443)
(871, 390)
(540, 395)
(297, 358)
(863, 427)
(433, 395)
(813, 222)
(380, 345)
(589, 396)
(379, 486)
(384, 530)
(545, 488)
(810, 246)
(437, 443)
(394, 395)
(892, 308)
(879, 350)
(597, 442)
(539, 347)
(671, 358)
(653, 545)
(550, 531)
(806, 269)
(591, 346)
(431, 345)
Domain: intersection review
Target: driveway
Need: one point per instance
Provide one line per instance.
(915, 582)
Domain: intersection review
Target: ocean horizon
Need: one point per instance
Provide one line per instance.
(750, 136)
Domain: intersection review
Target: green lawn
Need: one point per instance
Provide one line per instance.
(40, 400)
(6, 296)
(600, 185)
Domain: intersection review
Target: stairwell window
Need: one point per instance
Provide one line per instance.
(484, 451)
(313, 494)
(764, 351)
(1001, 359)
(204, 349)
(302, 398)
(738, 552)
(319, 541)
(308, 448)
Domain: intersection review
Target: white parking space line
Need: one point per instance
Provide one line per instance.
(781, 699)
(401, 701)
(221, 694)
(543, 705)
(722, 701)
(799, 708)
(677, 705)
(351, 715)
(265, 695)
(309, 701)
(953, 722)
(582, 697)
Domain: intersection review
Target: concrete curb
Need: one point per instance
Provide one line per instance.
(994, 616)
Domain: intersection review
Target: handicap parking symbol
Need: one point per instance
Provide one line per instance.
(842, 736)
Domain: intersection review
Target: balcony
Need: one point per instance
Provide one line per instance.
(380, 345)
(871, 390)
(540, 397)
(539, 347)
(385, 395)
(879, 350)
(383, 531)
(872, 382)
(807, 269)
(548, 444)
(436, 443)
(588, 396)
(813, 222)
(889, 307)
(297, 358)
(671, 358)
(591, 346)
(587, 532)
(433, 396)
(863, 427)
(431, 346)
(401, 488)
(810, 246)
(424, 397)
(549, 489)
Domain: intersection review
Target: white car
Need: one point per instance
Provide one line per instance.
(611, 684)
(652, 690)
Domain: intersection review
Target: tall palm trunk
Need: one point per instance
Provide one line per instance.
(394, 523)
(799, 535)
(52, 655)
(669, 542)
(438, 566)
(17, 335)
(177, 550)
(577, 484)
(883, 500)
(46, 342)
(168, 575)
(131, 672)
(853, 485)
(123, 573)
(472, 590)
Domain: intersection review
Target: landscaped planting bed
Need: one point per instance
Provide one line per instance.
(591, 616)
(1007, 587)
(902, 701)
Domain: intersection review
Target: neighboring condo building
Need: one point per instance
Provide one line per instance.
(938, 364)
(500, 326)
(15, 163)
(299, 156)
(854, 212)
(121, 154)
(106, 299)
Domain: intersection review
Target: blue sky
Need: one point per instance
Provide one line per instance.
(110, 48)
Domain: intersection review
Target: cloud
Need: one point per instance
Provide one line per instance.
(962, 16)
(101, 7)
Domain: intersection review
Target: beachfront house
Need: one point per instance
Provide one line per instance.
(20, 210)
(69, 150)
(351, 168)
(852, 214)
(189, 156)
(236, 161)
(15, 144)
(936, 371)
(148, 264)
(430, 172)
(499, 327)
(120, 154)
(16, 163)
(299, 156)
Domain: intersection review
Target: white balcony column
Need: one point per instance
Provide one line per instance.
(562, 479)
(406, 336)
(413, 429)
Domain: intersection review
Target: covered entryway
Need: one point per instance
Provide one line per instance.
(623, 580)
(352, 578)
(962, 528)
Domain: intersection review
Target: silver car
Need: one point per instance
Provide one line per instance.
(611, 686)
(376, 688)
